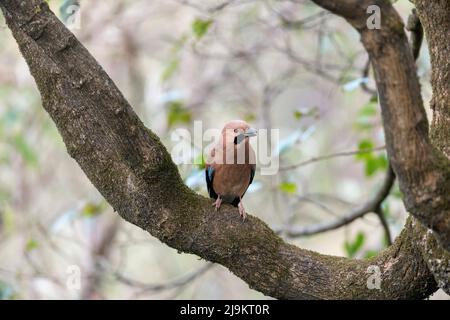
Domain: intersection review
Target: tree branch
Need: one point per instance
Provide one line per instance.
(372, 205)
(423, 171)
(330, 156)
(173, 284)
(134, 172)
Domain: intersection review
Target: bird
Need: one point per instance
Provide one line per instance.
(230, 166)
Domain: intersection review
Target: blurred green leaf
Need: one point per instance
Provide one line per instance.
(372, 162)
(375, 164)
(25, 150)
(302, 113)
(200, 27)
(298, 115)
(365, 116)
(170, 69)
(353, 247)
(92, 209)
(371, 166)
(200, 161)
(31, 245)
(365, 152)
(250, 117)
(178, 114)
(288, 187)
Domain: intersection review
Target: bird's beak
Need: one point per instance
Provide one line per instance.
(250, 132)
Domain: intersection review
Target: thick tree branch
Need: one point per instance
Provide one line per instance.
(131, 168)
(435, 18)
(423, 171)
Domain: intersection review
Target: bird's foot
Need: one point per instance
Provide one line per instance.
(217, 203)
(242, 212)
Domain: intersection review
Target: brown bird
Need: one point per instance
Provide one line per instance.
(230, 167)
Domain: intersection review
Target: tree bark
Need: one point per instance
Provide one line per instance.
(131, 168)
(435, 17)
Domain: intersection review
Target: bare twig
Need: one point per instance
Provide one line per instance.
(176, 283)
(330, 156)
(364, 85)
(384, 224)
(371, 206)
(415, 27)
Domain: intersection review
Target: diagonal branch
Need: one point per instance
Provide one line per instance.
(131, 168)
(422, 170)
(372, 206)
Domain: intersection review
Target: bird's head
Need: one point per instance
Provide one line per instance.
(238, 131)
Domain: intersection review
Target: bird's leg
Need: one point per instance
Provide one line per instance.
(217, 203)
(242, 210)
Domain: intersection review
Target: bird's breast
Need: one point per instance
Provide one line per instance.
(231, 180)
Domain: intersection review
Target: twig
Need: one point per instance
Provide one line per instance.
(415, 27)
(384, 224)
(330, 156)
(371, 206)
(179, 282)
(363, 84)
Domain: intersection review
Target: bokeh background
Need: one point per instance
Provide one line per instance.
(284, 64)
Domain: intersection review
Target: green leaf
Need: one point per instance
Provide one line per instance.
(288, 187)
(374, 164)
(31, 245)
(92, 209)
(200, 27)
(200, 161)
(365, 147)
(371, 166)
(249, 117)
(298, 115)
(374, 99)
(352, 248)
(364, 119)
(25, 150)
(365, 144)
(311, 112)
(177, 114)
(170, 69)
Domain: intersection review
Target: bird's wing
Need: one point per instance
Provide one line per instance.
(252, 175)
(209, 175)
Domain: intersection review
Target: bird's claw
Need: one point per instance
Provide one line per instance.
(217, 203)
(242, 212)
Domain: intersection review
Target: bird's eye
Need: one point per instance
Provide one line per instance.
(235, 130)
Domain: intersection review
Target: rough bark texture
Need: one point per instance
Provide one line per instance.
(435, 17)
(134, 172)
(422, 170)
